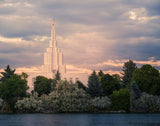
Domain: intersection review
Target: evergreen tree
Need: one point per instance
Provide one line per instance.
(100, 75)
(6, 74)
(128, 69)
(94, 87)
(24, 76)
(57, 76)
(81, 85)
(135, 94)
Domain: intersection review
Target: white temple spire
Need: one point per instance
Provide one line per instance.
(53, 57)
(53, 42)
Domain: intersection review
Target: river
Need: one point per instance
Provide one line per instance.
(79, 119)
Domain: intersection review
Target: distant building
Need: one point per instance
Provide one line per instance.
(53, 62)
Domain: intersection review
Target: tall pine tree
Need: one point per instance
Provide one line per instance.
(94, 87)
(128, 69)
(6, 74)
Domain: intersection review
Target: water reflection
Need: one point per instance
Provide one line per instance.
(80, 120)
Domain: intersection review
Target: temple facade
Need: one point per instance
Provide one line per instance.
(53, 62)
(53, 57)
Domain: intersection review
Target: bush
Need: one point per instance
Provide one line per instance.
(31, 104)
(102, 103)
(68, 98)
(147, 103)
(1, 103)
(120, 100)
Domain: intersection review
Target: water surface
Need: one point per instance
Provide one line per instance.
(80, 120)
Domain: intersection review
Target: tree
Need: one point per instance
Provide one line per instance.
(81, 85)
(128, 69)
(135, 94)
(120, 100)
(100, 75)
(57, 76)
(42, 85)
(68, 98)
(7, 73)
(24, 75)
(13, 89)
(94, 87)
(148, 79)
(109, 84)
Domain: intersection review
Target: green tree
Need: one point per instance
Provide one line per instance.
(100, 75)
(7, 73)
(117, 77)
(94, 87)
(128, 69)
(13, 89)
(57, 76)
(24, 75)
(42, 85)
(135, 94)
(148, 79)
(120, 100)
(81, 85)
(53, 84)
(109, 84)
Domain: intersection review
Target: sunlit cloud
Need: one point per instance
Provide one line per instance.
(17, 4)
(28, 70)
(140, 14)
(17, 41)
(72, 69)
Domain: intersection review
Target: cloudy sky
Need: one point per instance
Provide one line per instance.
(93, 34)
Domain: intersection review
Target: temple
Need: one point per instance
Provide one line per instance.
(53, 57)
(53, 62)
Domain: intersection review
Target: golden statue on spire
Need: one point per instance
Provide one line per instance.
(53, 21)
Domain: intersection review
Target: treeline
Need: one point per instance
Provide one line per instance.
(137, 90)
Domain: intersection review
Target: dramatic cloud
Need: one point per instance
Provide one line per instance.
(93, 34)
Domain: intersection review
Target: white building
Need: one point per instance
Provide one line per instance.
(53, 62)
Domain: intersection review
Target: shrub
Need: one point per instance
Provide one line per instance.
(31, 104)
(120, 100)
(101, 103)
(147, 103)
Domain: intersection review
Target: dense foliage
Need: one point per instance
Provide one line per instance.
(148, 79)
(65, 98)
(128, 68)
(81, 85)
(146, 103)
(12, 89)
(101, 103)
(109, 84)
(42, 85)
(94, 86)
(31, 104)
(120, 100)
(103, 93)
(135, 94)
